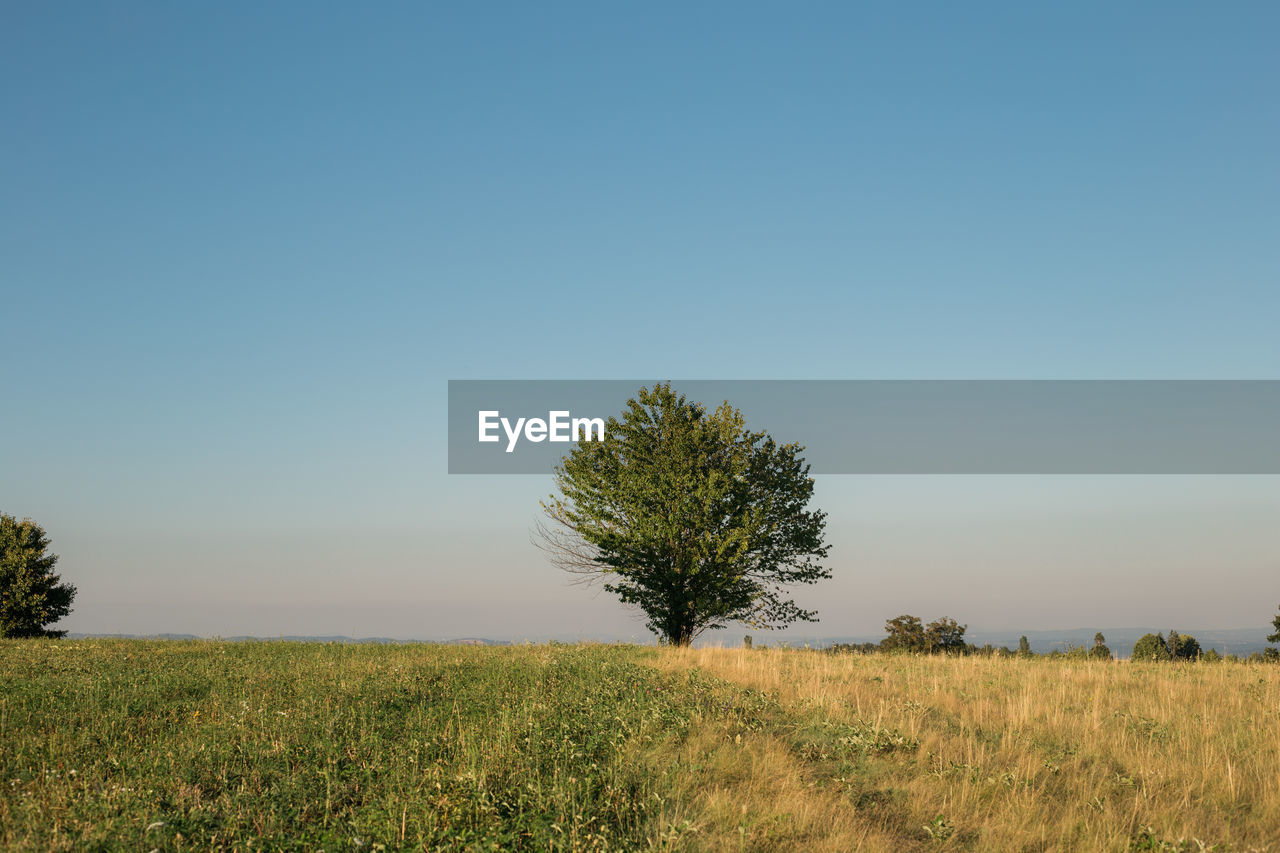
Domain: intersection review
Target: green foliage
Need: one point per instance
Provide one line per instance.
(1024, 646)
(1187, 647)
(1182, 646)
(1100, 651)
(946, 636)
(1275, 623)
(1146, 841)
(1211, 656)
(905, 634)
(31, 593)
(1150, 647)
(939, 829)
(688, 516)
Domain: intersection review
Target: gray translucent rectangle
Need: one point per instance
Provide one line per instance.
(925, 426)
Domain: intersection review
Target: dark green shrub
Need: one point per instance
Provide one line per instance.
(1188, 649)
(1150, 647)
(1182, 646)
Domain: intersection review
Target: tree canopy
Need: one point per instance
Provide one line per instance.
(31, 593)
(1151, 647)
(945, 635)
(907, 633)
(1187, 648)
(688, 516)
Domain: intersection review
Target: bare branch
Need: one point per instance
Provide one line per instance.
(567, 551)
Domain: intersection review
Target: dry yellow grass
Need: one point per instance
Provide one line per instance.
(891, 753)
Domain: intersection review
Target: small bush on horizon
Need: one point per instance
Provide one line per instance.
(1182, 646)
(1151, 647)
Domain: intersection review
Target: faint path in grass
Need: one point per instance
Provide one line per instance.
(127, 744)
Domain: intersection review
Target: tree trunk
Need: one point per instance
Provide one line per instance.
(680, 635)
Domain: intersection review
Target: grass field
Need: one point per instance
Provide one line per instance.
(141, 745)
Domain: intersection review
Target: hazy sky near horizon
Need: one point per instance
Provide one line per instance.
(244, 246)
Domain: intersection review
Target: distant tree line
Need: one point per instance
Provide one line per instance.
(907, 634)
(1174, 647)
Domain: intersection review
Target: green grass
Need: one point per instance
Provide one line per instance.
(158, 744)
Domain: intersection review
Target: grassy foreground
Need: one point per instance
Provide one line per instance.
(201, 745)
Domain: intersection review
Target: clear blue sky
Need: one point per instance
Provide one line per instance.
(243, 247)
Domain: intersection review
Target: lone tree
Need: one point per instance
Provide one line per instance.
(31, 595)
(1275, 623)
(1100, 650)
(688, 516)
